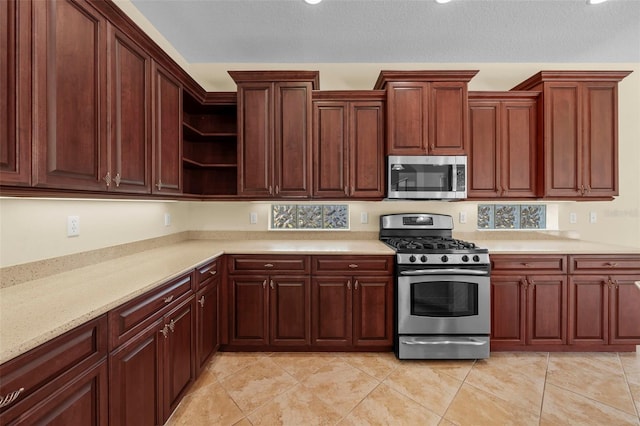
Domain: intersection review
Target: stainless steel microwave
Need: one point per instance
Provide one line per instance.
(427, 177)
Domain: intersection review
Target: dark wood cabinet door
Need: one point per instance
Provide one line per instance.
(167, 132)
(289, 310)
(179, 360)
(135, 372)
(562, 140)
(15, 93)
(519, 142)
(292, 143)
(484, 149)
(255, 139)
(508, 310)
(249, 319)
(331, 311)
(372, 311)
(407, 118)
(331, 149)
(69, 95)
(546, 309)
(207, 322)
(588, 309)
(624, 315)
(599, 139)
(129, 134)
(366, 157)
(448, 118)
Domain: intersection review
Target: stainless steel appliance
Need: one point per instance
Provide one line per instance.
(442, 289)
(427, 177)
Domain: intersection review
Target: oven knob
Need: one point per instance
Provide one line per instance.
(476, 258)
(423, 258)
(465, 258)
(412, 258)
(444, 258)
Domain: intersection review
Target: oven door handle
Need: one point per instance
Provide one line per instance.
(467, 342)
(455, 271)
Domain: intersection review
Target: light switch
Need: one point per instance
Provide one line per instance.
(463, 217)
(364, 217)
(593, 217)
(253, 218)
(573, 218)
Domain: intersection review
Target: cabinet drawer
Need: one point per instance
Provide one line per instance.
(535, 263)
(258, 263)
(75, 350)
(130, 318)
(605, 263)
(207, 272)
(352, 265)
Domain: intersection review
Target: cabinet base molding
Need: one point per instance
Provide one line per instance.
(266, 348)
(563, 348)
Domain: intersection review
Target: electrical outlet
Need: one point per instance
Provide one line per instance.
(463, 217)
(364, 217)
(167, 219)
(253, 218)
(73, 226)
(593, 217)
(573, 218)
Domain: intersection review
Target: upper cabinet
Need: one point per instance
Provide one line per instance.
(274, 133)
(502, 145)
(129, 168)
(579, 122)
(427, 111)
(167, 132)
(348, 144)
(15, 84)
(69, 95)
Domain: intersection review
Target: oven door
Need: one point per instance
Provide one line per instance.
(452, 301)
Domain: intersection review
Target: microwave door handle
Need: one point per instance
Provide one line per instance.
(443, 271)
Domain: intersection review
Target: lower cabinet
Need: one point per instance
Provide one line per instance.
(63, 381)
(207, 321)
(150, 371)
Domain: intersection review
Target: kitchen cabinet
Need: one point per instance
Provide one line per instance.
(579, 125)
(503, 145)
(63, 381)
(603, 300)
(348, 144)
(208, 286)
(528, 301)
(167, 132)
(152, 362)
(69, 95)
(15, 78)
(274, 133)
(427, 111)
(129, 134)
(269, 300)
(352, 301)
(209, 134)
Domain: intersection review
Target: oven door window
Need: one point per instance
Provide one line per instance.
(421, 177)
(444, 299)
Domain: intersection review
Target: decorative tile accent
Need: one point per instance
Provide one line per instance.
(310, 216)
(512, 216)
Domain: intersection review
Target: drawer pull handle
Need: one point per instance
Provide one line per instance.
(213, 272)
(165, 331)
(10, 397)
(272, 285)
(353, 266)
(356, 285)
(611, 264)
(201, 301)
(264, 284)
(349, 285)
(168, 299)
(172, 326)
(268, 265)
(526, 265)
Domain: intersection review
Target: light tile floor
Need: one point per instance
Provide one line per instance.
(509, 388)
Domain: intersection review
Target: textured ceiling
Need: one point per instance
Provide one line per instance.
(373, 31)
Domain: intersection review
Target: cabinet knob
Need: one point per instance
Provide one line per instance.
(10, 397)
(168, 299)
(117, 180)
(159, 185)
(107, 179)
(201, 301)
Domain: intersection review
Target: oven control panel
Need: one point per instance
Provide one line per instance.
(443, 259)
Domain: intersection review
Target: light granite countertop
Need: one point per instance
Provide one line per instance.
(34, 312)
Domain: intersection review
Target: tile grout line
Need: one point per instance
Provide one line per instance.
(626, 380)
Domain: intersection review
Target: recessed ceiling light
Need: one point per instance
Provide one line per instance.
(442, 1)
(595, 1)
(312, 1)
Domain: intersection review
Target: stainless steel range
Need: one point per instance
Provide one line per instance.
(442, 289)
